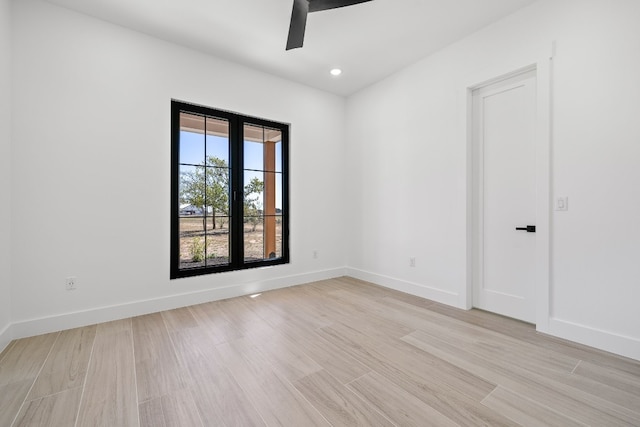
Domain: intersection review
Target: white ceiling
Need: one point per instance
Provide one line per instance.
(369, 41)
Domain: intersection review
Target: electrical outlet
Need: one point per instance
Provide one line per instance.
(412, 262)
(70, 284)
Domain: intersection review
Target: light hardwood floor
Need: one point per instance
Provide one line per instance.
(338, 352)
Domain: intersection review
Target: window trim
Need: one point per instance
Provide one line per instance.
(236, 211)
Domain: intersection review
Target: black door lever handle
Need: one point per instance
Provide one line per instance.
(528, 228)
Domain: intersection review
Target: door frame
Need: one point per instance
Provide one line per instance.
(543, 70)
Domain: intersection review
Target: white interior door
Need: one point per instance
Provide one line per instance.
(505, 197)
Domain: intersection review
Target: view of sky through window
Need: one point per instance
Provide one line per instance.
(192, 153)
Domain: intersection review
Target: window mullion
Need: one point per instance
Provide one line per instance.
(237, 246)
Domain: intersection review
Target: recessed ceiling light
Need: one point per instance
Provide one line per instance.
(336, 72)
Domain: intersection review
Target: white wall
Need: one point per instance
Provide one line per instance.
(91, 159)
(5, 173)
(406, 147)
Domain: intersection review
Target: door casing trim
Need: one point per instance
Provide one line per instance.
(543, 139)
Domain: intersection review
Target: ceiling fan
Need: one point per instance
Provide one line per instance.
(299, 16)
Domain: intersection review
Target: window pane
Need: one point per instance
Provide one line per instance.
(217, 196)
(253, 193)
(192, 148)
(253, 238)
(272, 146)
(192, 190)
(278, 167)
(192, 240)
(262, 148)
(262, 237)
(278, 220)
(272, 193)
(217, 240)
(272, 236)
(218, 139)
(191, 139)
(253, 149)
(253, 155)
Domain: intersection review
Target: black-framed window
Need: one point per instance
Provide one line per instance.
(229, 191)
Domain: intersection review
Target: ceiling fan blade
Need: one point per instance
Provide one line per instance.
(298, 24)
(318, 5)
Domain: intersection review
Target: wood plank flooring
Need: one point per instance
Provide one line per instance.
(338, 352)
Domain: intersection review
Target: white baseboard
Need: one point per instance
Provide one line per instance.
(434, 294)
(603, 340)
(6, 336)
(60, 322)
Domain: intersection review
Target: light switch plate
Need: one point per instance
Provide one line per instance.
(562, 203)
